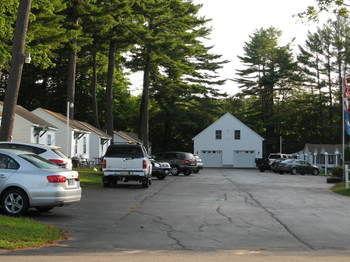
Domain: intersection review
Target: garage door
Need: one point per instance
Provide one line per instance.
(212, 158)
(243, 159)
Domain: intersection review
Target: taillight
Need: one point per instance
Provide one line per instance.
(56, 179)
(144, 164)
(58, 162)
(103, 163)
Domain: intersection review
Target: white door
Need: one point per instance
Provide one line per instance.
(243, 159)
(211, 158)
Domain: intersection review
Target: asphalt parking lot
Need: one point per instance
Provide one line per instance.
(211, 211)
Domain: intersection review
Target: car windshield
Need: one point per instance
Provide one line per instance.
(38, 161)
(186, 156)
(125, 151)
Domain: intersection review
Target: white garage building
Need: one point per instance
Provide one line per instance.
(228, 143)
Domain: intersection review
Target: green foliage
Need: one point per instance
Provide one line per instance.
(280, 95)
(338, 172)
(8, 10)
(269, 70)
(26, 233)
(339, 7)
(90, 177)
(341, 189)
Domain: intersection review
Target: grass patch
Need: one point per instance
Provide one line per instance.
(340, 189)
(18, 233)
(90, 177)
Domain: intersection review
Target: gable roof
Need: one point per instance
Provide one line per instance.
(128, 136)
(72, 123)
(234, 118)
(95, 130)
(29, 116)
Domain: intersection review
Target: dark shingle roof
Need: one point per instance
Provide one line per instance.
(29, 116)
(95, 130)
(72, 123)
(129, 136)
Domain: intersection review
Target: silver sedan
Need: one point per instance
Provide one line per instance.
(28, 180)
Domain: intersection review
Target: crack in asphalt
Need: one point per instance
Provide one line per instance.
(169, 229)
(270, 213)
(206, 224)
(254, 225)
(221, 213)
(143, 200)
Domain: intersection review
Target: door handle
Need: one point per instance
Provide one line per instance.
(2, 176)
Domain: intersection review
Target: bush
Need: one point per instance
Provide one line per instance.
(338, 172)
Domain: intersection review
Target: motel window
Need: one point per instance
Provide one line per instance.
(75, 146)
(218, 134)
(49, 140)
(84, 145)
(237, 134)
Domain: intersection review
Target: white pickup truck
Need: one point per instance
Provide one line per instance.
(124, 163)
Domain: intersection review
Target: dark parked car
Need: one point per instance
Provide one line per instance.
(180, 162)
(160, 169)
(281, 165)
(262, 164)
(298, 167)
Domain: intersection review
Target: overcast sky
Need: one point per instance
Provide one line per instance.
(234, 20)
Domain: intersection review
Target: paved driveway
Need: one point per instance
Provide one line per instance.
(214, 210)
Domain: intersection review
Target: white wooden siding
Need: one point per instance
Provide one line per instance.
(249, 141)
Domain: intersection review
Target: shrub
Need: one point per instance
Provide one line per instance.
(338, 172)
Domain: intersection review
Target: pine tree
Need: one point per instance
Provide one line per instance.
(168, 44)
(268, 67)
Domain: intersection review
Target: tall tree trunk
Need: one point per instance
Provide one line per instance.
(318, 75)
(94, 90)
(15, 75)
(340, 75)
(268, 117)
(72, 59)
(330, 91)
(72, 67)
(109, 91)
(144, 107)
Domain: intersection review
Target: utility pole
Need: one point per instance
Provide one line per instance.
(14, 81)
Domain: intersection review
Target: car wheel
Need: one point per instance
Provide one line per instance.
(316, 172)
(281, 172)
(187, 172)
(174, 171)
(161, 177)
(44, 209)
(196, 171)
(145, 183)
(15, 202)
(294, 171)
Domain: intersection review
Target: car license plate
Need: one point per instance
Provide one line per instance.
(71, 182)
(126, 173)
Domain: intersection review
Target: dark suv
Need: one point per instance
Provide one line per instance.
(180, 162)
